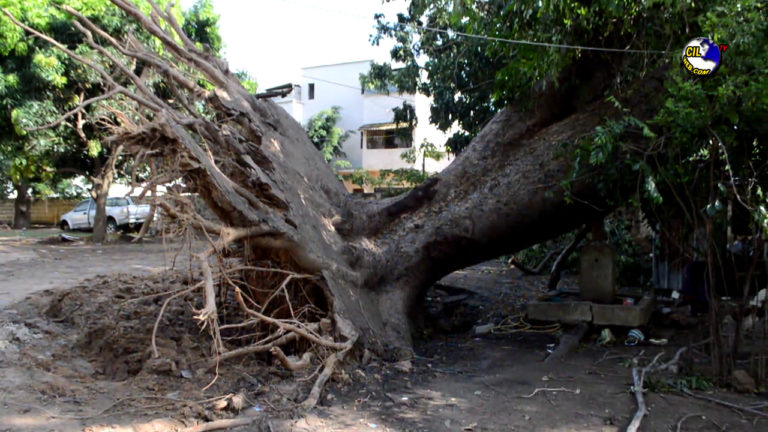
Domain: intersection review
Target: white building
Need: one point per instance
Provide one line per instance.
(367, 116)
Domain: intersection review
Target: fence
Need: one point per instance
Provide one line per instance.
(46, 212)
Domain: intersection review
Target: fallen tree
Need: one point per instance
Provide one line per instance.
(297, 258)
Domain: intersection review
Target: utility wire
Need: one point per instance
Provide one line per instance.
(532, 43)
(350, 86)
(494, 38)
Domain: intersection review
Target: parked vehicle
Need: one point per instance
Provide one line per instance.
(122, 213)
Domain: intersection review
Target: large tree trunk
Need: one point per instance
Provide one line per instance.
(22, 206)
(279, 205)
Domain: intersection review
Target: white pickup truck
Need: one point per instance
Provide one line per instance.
(122, 213)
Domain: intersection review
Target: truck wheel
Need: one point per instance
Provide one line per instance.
(111, 226)
(64, 225)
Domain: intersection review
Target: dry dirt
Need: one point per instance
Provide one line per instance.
(34, 264)
(75, 356)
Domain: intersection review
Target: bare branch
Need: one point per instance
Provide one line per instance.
(76, 110)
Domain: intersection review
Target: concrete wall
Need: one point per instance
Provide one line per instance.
(339, 85)
(43, 211)
(427, 131)
(379, 159)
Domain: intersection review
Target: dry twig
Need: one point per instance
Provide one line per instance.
(222, 424)
(638, 378)
(686, 417)
(547, 389)
(723, 403)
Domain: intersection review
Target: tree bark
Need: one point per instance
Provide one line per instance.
(365, 265)
(22, 206)
(100, 193)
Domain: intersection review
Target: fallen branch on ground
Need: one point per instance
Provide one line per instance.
(723, 403)
(686, 417)
(568, 342)
(638, 378)
(547, 389)
(222, 424)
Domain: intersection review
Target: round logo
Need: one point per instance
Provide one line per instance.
(701, 57)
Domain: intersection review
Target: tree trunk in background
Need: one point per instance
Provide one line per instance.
(22, 206)
(100, 193)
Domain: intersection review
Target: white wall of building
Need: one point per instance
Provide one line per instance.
(339, 85)
(429, 132)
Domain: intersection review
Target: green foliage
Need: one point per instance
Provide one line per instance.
(405, 114)
(39, 83)
(201, 24)
(699, 149)
(325, 135)
(688, 382)
(247, 81)
(426, 150)
(391, 182)
(362, 178)
(470, 79)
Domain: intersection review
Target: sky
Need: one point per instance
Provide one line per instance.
(274, 39)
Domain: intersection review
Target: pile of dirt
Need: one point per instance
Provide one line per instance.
(114, 319)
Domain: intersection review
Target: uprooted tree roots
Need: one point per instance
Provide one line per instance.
(261, 291)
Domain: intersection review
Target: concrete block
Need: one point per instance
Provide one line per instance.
(597, 277)
(623, 315)
(570, 312)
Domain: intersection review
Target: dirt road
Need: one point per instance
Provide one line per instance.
(31, 264)
(77, 357)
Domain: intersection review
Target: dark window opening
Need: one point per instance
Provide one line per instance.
(386, 139)
(311, 91)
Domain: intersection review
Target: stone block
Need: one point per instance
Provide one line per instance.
(566, 311)
(623, 315)
(597, 278)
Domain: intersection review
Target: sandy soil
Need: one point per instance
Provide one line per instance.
(78, 359)
(28, 265)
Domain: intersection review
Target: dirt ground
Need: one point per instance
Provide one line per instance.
(75, 356)
(32, 263)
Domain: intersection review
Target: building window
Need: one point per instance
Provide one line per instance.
(311, 91)
(386, 139)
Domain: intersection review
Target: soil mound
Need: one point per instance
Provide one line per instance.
(114, 317)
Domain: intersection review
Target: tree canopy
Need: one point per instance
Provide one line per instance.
(42, 146)
(476, 57)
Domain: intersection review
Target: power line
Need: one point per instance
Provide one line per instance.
(533, 43)
(349, 86)
(497, 39)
